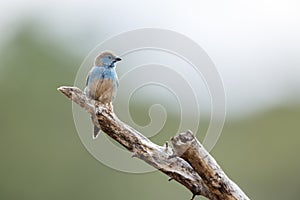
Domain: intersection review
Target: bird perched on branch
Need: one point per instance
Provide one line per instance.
(102, 81)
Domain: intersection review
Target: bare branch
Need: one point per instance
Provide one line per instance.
(162, 158)
(188, 147)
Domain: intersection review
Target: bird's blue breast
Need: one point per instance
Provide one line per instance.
(102, 73)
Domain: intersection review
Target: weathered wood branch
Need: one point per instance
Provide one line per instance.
(189, 148)
(193, 168)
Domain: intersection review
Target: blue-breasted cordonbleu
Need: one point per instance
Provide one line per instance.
(102, 81)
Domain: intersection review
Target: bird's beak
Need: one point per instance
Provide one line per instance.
(117, 59)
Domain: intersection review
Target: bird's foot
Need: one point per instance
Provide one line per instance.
(98, 110)
(110, 107)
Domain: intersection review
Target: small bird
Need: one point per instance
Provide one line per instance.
(102, 81)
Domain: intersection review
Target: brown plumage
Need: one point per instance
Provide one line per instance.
(102, 90)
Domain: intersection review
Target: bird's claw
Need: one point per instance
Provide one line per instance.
(110, 107)
(98, 111)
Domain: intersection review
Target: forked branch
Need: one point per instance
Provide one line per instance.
(187, 161)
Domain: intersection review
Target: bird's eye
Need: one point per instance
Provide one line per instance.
(109, 57)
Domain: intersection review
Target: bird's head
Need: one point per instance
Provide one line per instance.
(106, 59)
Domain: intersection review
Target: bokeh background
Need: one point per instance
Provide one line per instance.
(254, 45)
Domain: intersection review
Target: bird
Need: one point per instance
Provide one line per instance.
(102, 82)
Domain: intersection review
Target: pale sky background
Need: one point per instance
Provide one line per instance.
(255, 45)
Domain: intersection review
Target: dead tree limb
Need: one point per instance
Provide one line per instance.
(193, 168)
(189, 148)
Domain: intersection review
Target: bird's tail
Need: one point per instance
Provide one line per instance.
(96, 132)
(96, 129)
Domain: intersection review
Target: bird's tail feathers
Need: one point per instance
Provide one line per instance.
(96, 132)
(96, 129)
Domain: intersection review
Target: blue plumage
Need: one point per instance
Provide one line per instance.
(102, 81)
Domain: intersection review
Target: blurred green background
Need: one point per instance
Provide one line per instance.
(43, 158)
